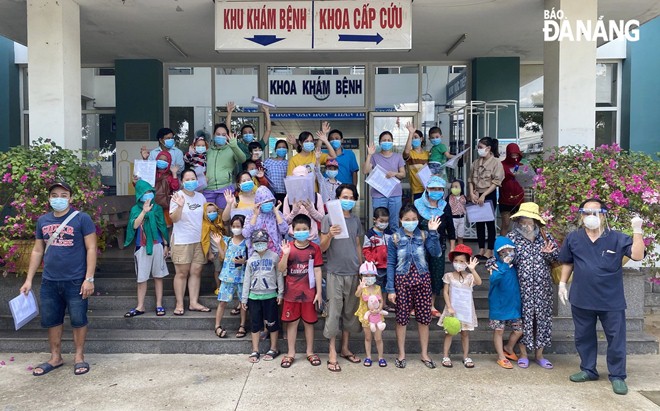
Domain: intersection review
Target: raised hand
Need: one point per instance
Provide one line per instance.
(144, 152)
(371, 149)
(217, 238)
(278, 206)
(147, 206)
(325, 127)
(231, 106)
(318, 154)
(178, 199)
(321, 136)
(229, 197)
(335, 230)
(410, 127)
(434, 223)
(286, 248)
(292, 140)
(548, 247)
(473, 263)
(265, 109)
(174, 169)
(636, 224)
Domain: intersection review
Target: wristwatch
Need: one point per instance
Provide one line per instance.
(90, 279)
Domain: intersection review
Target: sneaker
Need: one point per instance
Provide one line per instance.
(581, 377)
(619, 386)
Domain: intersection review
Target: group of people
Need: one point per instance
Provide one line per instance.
(221, 202)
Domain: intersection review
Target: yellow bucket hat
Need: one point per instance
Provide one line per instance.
(529, 210)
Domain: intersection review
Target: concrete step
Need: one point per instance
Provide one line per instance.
(205, 342)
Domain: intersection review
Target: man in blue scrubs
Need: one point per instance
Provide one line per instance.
(594, 254)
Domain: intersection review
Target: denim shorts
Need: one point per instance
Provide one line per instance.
(56, 296)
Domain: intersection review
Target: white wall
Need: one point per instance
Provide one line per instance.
(191, 90)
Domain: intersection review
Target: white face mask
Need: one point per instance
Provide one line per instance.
(482, 152)
(460, 267)
(382, 226)
(237, 231)
(592, 222)
(369, 281)
(257, 154)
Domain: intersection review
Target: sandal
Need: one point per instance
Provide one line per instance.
(510, 356)
(545, 364)
(254, 357)
(314, 360)
(178, 311)
(435, 313)
(241, 332)
(351, 358)
(400, 363)
(429, 363)
(382, 363)
(45, 369)
(334, 366)
(200, 310)
(160, 311)
(468, 363)
(286, 362)
(235, 311)
(367, 362)
(81, 368)
(505, 363)
(523, 362)
(446, 362)
(271, 355)
(222, 333)
(133, 313)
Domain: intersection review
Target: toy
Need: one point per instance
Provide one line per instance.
(452, 325)
(374, 315)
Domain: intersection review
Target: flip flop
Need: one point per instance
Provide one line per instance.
(200, 310)
(178, 311)
(80, 365)
(334, 366)
(350, 358)
(160, 311)
(235, 311)
(545, 364)
(133, 313)
(430, 363)
(505, 363)
(46, 368)
(271, 355)
(510, 356)
(523, 362)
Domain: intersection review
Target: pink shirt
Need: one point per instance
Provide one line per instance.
(316, 214)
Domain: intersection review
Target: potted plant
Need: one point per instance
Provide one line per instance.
(629, 182)
(26, 173)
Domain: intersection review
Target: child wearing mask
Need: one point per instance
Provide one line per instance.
(374, 248)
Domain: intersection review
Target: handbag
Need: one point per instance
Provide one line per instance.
(555, 266)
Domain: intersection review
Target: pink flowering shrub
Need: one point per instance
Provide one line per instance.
(27, 172)
(628, 182)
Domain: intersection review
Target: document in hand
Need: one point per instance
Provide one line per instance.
(453, 162)
(337, 217)
(377, 180)
(477, 214)
(425, 175)
(300, 188)
(461, 301)
(146, 170)
(23, 308)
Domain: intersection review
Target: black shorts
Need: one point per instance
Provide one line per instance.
(509, 208)
(264, 310)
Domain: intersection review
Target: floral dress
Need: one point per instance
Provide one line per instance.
(536, 291)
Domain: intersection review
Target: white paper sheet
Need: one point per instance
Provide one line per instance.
(524, 175)
(262, 102)
(300, 188)
(461, 301)
(146, 170)
(23, 308)
(310, 273)
(424, 175)
(453, 162)
(337, 217)
(378, 181)
(476, 213)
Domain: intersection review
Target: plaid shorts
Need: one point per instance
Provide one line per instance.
(516, 324)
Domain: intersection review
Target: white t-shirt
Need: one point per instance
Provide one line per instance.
(188, 230)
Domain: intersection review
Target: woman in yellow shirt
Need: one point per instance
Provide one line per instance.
(416, 157)
(305, 147)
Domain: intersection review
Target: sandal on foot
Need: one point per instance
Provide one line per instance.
(235, 311)
(200, 310)
(400, 363)
(334, 366)
(160, 311)
(545, 364)
(178, 311)
(505, 363)
(510, 356)
(468, 363)
(446, 362)
(241, 332)
(271, 355)
(286, 362)
(314, 360)
(351, 358)
(80, 368)
(254, 357)
(222, 333)
(45, 369)
(382, 363)
(429, 363)
(523, 362)
(367, 362)
(435, 313)
(133, 313)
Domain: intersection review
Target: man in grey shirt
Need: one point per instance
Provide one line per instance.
(344, 259)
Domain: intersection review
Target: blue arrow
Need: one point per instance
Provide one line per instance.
(265, 40)
(361, 37)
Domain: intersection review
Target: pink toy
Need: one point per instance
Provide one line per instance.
(374, 315)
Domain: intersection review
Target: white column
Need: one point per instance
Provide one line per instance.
(569, 80)
(54, 71)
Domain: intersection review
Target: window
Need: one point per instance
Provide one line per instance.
(397, 88)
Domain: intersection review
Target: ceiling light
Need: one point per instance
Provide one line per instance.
(175, 46)
(458, 43)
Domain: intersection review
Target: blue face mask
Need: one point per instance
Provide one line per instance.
(212, 215)
(161, 164)
(436, 195)
(267, 207)
(409, 226)
(190, 185)
(169, 143)
(220, 140)
(347, 205)
(386, 145)
(260, 247)
(147, 196)
(309, 146)
(200, 149)
(281, 152)
(301, 235)
(248, 138)
(247, 186)
(253, 172)
(335, 144)
(59, 204)
(332, 173)
(436, 141)
(416, 143)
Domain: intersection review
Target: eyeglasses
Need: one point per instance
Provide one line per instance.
(591, 211)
